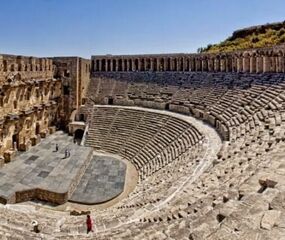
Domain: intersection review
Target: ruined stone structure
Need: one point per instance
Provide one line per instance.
(204, 133)
(29, 102)
(74, 73)
(252, 61)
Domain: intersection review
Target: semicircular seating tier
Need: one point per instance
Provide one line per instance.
(149, 140)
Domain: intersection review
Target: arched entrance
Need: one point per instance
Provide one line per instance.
(78, 135)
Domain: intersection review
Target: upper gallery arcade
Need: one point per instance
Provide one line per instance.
(253, 61)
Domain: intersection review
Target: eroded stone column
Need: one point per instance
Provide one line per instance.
(100, 65)
(192, 64)
(158, 64)
(117, 65)
(176, 64)
(228, 64)
(266, 64)
(151, 64)
(165, 64)
(259, 64)
(133, 65)
(245, 63)
(222, 64)
(252, 64)
(281, 62)
(210, 64)
(239, 64)
(216, 64)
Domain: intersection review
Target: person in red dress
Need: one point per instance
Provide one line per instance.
(89, 224)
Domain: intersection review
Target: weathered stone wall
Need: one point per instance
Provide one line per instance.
(29, 102)
(252, 61)
(27, 67)
(74, 73)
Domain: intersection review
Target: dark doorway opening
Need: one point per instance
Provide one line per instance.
(15, 141)
(110, 101)
(167, 106)
(81, 117)
(78, 135)
(37, 129)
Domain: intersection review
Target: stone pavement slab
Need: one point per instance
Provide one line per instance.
(103, 180)
(43, 173)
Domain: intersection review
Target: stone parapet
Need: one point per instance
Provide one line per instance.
(262, 60)
(25, 68)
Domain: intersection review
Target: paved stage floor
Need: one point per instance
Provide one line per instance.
(103, 180)
(43, 168)
(44, 174)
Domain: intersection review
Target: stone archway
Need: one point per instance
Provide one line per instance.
(78, 135)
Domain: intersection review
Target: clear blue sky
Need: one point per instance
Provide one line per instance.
(90, 27)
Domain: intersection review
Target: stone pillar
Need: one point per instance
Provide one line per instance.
(196, 63)
(266, 64)
(259, 64)
(20, 64)
(203, 65)
(158, 64)
(216, 64)
(165, 64)
(281, 63)
(239, 64)
(151, 64)
(33, 64)
(94, 65)
(184, 64)
(227, 63)
(273, 65)
(100, 65)
(139, 64)
(192, 64)
(170, 64)
(106, 65)
(210, 64)
(133, 64)
(222, 64)
(175, 64)
(179, 64)
(252, 63)
(245, 63)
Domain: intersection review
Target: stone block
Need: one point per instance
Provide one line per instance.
(25, 146)
(9, 155)
(2, 161)
(269, 219)
(52, 130)
(43, 134)
(35, 140)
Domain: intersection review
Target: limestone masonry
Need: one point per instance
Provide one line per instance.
(195, 144)
(253, 61)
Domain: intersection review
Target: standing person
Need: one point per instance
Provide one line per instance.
(89, 224)
(56, 147)
(66, 153)
(35, 226)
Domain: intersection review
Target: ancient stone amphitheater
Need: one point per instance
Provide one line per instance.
(202, 136)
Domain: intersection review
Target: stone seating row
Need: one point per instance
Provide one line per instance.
(141, 137)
